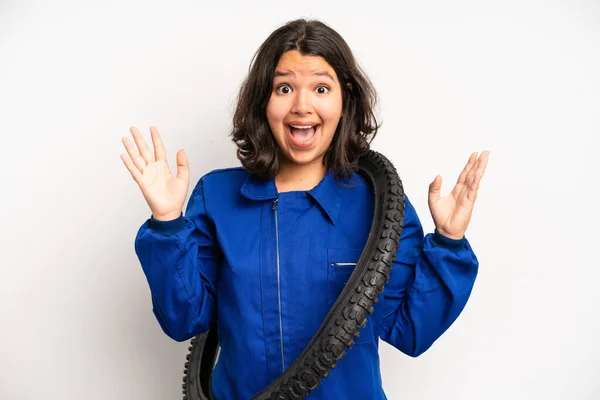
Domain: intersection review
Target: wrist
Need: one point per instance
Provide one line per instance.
(168, 227)
(439, 240)
(449, 236)
(167, 217)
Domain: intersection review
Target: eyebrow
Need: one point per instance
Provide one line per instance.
(316, 73)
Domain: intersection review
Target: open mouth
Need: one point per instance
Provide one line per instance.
(302, 136)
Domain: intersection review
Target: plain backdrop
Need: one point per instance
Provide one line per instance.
(518, 78)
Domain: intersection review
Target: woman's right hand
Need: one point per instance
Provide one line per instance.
(164, 193)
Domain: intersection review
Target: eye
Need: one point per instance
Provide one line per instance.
(283, 89)
(322, 89)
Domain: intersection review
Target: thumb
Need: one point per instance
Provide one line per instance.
(183, 166)
(435, 189)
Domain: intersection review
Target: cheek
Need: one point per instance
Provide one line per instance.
(270, 112)
(331, 110)
(276, 110)
(331, 116)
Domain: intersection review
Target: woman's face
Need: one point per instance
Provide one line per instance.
(304, 108)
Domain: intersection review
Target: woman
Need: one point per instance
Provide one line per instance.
(264, 249)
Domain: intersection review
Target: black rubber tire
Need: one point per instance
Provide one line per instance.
(199, 365)
(347, 315)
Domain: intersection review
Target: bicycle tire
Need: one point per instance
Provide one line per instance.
(347, 315)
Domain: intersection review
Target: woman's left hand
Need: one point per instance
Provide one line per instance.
(451, 214)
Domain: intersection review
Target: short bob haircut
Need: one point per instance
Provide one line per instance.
(256, 147)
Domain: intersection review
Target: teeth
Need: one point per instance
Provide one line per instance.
(302, 127)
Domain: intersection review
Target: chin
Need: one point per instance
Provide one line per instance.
(301, 159)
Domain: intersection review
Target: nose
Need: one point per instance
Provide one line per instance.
(302, 103)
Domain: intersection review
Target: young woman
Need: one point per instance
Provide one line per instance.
(264, 249)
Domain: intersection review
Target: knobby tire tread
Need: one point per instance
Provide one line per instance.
(347, 315)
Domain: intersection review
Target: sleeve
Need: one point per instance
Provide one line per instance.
(430, 282)
(180, 259)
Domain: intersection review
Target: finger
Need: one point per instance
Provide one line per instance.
(435, 189)
(471, 196)
(137, 159)
(475, 178)
(478, 173)
(183, 166)
(160, 154)
(462, 178)
(471, 174)
(135, 173)
(145, 151)
(463, 175)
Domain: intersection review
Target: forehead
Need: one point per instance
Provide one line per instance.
(306, 65)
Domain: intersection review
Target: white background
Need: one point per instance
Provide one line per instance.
(518, 78)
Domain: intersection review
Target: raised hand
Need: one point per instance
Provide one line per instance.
(164, 193)
(451, 214)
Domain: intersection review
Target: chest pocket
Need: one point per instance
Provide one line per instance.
(341, 264)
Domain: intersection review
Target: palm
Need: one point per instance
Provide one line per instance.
(452, 214)
(164, 192)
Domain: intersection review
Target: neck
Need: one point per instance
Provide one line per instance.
(299, 177)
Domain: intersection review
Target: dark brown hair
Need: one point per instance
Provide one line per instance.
(257, 148)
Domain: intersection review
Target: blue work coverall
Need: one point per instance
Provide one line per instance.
(268, 266)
